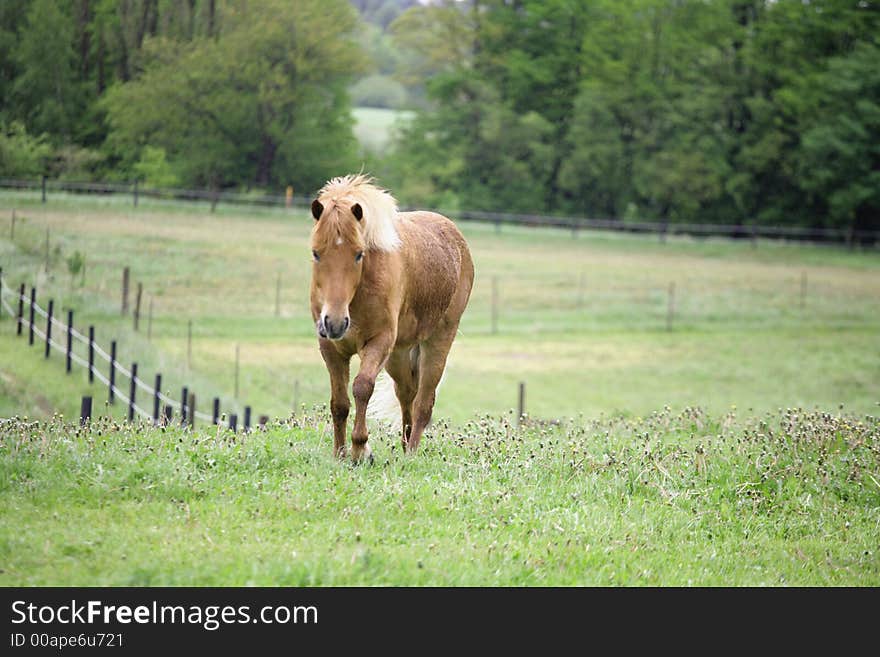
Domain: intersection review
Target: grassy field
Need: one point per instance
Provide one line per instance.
(651, 456)
(682, 499)
(581, 321)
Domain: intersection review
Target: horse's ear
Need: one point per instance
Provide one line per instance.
(317, 209)
(357, 211)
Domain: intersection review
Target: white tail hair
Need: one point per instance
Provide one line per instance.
(384, 406)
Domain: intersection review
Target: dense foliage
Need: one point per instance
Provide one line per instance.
(730, 111)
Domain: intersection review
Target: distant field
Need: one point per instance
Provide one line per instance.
(374, 126)
(581, 321)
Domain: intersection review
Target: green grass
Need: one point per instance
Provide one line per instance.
(635, 467)
(790, 498)
(374, 126)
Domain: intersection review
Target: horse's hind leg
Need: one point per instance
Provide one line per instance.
(432, 361)
(402, 369)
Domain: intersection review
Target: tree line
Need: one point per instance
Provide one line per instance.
(715, 111)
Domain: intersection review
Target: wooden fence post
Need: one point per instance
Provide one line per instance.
(184, 397)
(20, 326)
(247, 419)
(233, 422)
(137, 306)
(157, 390)
(31, 323)
(191, 410)
(126, 272)
(85, 411)
(167, 413)
(49, 328)
(521, 406)
(68, 360)
(215, 412)
(43, 186)
(131, 391)
(91, 354)
(112, 383)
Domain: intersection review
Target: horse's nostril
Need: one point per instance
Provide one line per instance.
(346, 324)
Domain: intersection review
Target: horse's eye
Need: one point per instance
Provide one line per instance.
(359, 256)
(315, 256)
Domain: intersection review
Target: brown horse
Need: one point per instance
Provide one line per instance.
(390, 287)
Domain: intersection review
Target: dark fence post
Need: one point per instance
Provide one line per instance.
(68, 362)
(85, 411)
(112, 370)
(131, 391)
(125, 276)
(20, 310)
(137, 306)
(191, 410)
(215, 413)
(31, 325)
(156, 398)
(167, 413)
(49, 327)
(233, 422)
(521, 404)
(183, 409)
(91, 354)
(43, 186)
(247, 419)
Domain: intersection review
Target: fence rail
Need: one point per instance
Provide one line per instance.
(748, 231)
(16, 311)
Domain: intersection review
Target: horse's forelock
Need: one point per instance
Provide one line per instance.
(336, 224)
(379, 208)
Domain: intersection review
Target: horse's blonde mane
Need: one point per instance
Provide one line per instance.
(379, 206)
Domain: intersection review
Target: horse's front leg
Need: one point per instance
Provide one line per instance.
(373, 357)
(338, 367)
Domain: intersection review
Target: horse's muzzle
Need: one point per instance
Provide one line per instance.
(327, 328)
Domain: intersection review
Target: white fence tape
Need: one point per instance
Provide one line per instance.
(82, 362)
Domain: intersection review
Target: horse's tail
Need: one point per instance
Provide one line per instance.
(384, 405)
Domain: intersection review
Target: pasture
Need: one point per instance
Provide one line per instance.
(739, 447)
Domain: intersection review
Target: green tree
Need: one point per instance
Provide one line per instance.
(263, 103)
(46, 92)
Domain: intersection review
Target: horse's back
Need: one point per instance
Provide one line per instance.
(439, 268)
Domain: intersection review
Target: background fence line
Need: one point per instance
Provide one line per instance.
(573, 223)
(6, 291)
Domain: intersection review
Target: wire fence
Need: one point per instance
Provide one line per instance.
(745, 230)
(115, 370)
